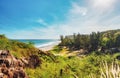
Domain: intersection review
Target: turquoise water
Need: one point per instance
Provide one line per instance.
(39, 42)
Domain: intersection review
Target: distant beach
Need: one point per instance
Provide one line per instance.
(49, 47)
(42, 44)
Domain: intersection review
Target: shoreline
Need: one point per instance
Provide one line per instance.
(48, 47)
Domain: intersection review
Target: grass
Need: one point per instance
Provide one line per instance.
(74, 67)
(110, 71)
(62, 66)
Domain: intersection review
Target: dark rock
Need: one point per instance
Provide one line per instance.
(34, 61)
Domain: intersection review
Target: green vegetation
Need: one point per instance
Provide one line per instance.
(74, 67)
(17, 48)
(92, 42)
(100, 61)
(56, 49)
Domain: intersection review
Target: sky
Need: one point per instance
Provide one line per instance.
(48, 19)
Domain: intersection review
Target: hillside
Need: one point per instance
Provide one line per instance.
(15, 57)
(78, 56)
(100, 41)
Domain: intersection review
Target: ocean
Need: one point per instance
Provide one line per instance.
(39, 42)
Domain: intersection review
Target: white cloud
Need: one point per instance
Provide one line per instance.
(76, 9)
(78, 19)
(103, 5)
(41, 21)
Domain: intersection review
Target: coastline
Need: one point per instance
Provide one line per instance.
(48, 47)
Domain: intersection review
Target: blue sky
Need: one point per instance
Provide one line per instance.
(36, 19)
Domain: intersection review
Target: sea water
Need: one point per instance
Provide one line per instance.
(39, 42)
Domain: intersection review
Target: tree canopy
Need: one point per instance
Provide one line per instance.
(92, 42)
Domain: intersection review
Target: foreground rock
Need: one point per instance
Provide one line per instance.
(11, 67)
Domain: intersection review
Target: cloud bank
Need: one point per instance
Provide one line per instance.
(97, 15)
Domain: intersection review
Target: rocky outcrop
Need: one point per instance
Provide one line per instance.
(12, 67)
(34, 61)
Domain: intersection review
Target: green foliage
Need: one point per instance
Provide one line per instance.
(92, 42)
(4, 42)
(54, 66)
(56, 49)
(73, 67)
(17, 48)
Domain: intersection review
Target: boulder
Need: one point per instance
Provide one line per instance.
(34, 61)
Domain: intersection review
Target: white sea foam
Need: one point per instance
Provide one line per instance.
(47, 44)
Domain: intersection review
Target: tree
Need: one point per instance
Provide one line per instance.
(117, 41)
(94, 41)
(62, 40)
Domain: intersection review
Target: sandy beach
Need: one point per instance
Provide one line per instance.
(49, 47)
